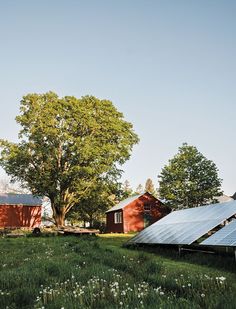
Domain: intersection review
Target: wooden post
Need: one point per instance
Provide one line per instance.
(179, 250)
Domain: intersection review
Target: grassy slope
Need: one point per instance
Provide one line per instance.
(70, 272)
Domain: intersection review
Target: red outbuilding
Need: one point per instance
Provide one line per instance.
(20, 210)
(135, 213)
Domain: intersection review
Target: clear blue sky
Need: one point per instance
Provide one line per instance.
(169, 66)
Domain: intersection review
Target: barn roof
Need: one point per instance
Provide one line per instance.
(234, 196)
(125, 202)
(21, 199)
(224, 198)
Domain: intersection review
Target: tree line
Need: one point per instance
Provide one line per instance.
(71, 150)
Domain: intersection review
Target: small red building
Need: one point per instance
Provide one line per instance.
(135, 213)
(20, 210)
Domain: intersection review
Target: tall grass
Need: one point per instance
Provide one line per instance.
(70, 272)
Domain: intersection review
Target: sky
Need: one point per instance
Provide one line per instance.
(169, 66)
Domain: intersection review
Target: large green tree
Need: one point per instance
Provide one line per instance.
(189, 180)
(65, 146)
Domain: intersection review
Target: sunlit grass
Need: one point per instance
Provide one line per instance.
(117, 235)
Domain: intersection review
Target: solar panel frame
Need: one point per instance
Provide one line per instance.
(224, 237)
(184, 227)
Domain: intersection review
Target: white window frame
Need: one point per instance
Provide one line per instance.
(118, 217)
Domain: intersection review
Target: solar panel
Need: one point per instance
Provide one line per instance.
(224, 237)
(187, 225)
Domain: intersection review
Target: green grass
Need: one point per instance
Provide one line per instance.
(70, 272)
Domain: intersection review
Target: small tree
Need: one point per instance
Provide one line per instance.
(189, 180)
(66, 145)
(126, 190)
(139, 189)
(149, 186)
(92, 208)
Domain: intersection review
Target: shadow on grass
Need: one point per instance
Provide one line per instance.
(217, 260)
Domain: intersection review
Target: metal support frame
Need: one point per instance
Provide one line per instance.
(180, 248)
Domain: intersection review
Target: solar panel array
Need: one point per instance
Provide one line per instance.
(224, 237)
(185, 226)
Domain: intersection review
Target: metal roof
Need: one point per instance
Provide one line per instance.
(183, 227)
(224, 237)
(234, 196)
(125, 202)
(224, 198)
(20, 199)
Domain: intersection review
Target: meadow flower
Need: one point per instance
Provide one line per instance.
(157, 289)
(202, 295)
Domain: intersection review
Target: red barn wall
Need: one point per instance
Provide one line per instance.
(20, 216)
(133, 217)
(111, 226)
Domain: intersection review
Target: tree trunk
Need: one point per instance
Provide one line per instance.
(59, 219)
(91, 221)
(59, 211)
(58, 215)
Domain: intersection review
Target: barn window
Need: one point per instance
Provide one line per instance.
(147, 207)
(118, 217)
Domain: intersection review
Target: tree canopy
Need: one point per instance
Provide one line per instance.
(66, 145)
(189, 180)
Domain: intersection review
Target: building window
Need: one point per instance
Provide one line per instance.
(147, 207)
(118, 217)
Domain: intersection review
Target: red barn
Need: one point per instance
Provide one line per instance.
(135, 213)
(20, 210)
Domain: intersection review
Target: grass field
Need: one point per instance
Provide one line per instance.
(70, 272)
